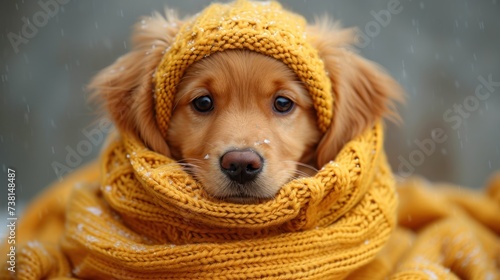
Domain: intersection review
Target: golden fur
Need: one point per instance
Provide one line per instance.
(243, 86)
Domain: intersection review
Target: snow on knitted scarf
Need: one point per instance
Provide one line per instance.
(78, 230)
(151, 220)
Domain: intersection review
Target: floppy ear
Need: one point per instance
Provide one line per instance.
(126, 87)
(363, 93)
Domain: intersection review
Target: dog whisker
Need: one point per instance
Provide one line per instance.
(189, 160)
(295, 177)
(293, 174)
(193, 169)
(188, 165)
(302, 174)
(308, 166)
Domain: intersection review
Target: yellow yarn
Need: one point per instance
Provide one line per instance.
(263, 27)
(150, 219)
(147, 219)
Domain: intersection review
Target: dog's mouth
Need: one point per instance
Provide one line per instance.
(243, 199)
(243, 194)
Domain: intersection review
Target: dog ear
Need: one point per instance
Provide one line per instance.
(126, 87)
(363, 92)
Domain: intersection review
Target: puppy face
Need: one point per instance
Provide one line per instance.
(243, 123)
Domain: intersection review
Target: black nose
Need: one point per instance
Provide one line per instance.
(241, 165)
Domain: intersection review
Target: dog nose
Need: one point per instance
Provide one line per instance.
(241, 165)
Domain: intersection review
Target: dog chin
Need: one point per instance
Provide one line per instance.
(243, 199)
(245, 194)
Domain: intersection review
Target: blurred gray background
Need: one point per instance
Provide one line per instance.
(437, 50)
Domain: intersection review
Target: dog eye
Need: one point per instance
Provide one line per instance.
(203, 104)
(283, 104)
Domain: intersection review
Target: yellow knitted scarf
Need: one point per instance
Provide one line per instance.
(78, 230)
(150, 219)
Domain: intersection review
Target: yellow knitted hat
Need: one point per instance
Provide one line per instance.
(263, 27)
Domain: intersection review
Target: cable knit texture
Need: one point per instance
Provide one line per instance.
(314, 228)
(150, 219)
(263, 27)
(145, 218)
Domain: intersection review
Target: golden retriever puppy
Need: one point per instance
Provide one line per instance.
(243, 123)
